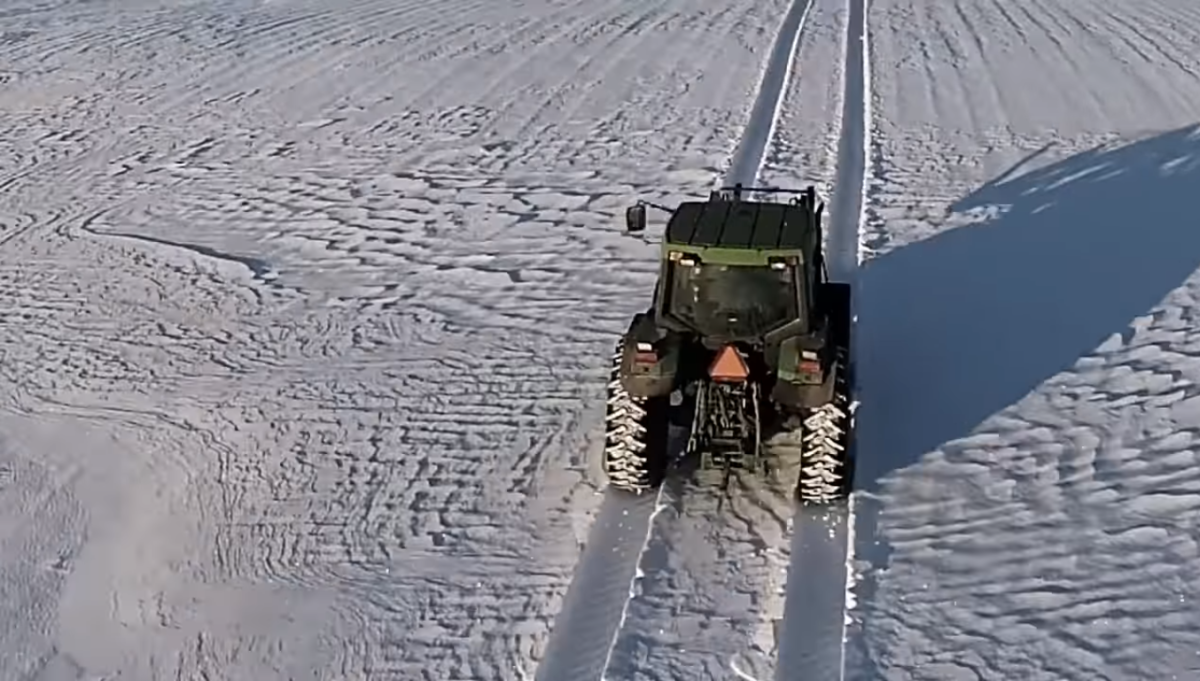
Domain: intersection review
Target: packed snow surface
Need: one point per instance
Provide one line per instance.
(306, 309)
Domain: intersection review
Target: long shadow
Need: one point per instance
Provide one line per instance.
(961, 325)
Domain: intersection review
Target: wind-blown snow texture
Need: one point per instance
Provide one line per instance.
(306, 309)
(1027, 343)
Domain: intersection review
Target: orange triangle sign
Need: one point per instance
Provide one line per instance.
(729, 366)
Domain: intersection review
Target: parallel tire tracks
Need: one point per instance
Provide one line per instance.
(592, 617)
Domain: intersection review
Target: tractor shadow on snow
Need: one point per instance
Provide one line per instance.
(964, 324)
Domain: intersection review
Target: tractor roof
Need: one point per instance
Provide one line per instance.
(751, 225)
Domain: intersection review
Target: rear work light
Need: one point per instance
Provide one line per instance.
(779, 264)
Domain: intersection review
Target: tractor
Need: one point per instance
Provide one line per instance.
(745, 332)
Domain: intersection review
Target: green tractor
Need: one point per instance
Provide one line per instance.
(745, 335)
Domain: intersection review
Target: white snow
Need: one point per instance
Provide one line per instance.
(306, 309)
(1024, 330)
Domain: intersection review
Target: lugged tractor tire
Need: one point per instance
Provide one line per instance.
(634, 458)
(826, 460)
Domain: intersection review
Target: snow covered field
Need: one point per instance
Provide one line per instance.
(306, 309)
(1028, 343)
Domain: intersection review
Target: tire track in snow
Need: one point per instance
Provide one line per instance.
(627, 541)
(846, 206)
(756, 138)
(595, 607)
(811, 643)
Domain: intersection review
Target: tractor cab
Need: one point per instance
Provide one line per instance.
(726, 301)
(736, 269)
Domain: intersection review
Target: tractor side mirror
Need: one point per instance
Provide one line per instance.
(635, 218)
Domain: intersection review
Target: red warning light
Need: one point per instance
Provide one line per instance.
(729, 366)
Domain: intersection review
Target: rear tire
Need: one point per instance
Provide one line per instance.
(826, 460)
(635, 435)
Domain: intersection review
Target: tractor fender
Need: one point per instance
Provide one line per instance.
(649, 373)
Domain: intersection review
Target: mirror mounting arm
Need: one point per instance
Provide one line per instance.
(655, 205)
(635, 216)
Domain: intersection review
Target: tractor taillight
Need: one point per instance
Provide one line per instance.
(809, 365)
(644, 354)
